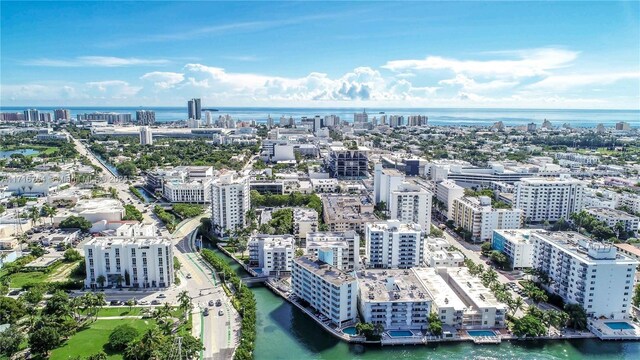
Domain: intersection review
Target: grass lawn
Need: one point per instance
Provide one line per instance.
(21, 279)
(124, 311)
(94, 338)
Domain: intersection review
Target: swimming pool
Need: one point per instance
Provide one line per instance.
(399, 333)
(351, 330)
(476, 333)
(619, 325)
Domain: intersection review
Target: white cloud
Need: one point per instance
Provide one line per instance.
(565, 82)
(471, 85)
(114, 89)
(163, 80)
(527, 63)
(97, 61)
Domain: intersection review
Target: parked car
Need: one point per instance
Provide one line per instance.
(14, 292)
(205, 312)
(211, 302)
(220, 313)
(188, 276)
(115, 302)
(143, 302)
(155, 302)
(218, 302)
(162, 296)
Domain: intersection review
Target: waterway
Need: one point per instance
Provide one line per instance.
(148, 198)
(286, 333)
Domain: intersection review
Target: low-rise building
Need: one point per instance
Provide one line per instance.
(325, 185)
(329, 290)
(271, 254)
(517, 246)
(341, 249)
(612, 217)
(138, 262)
(305, 220)
(444, 300)
(396, 299)
(347, 212)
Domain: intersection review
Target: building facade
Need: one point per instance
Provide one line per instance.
(392, 244)
(516, 245)
(476, 216)
(341, 249)
(349, 164)
(230, 200)
(411, 203)
(272, 254)
(549, 199)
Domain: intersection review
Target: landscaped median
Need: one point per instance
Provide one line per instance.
(243, 301)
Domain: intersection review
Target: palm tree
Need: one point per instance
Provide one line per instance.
(185, 302)
(619, 228)
(119, 280)
(34, 215)
(516, 304)
(101, 280)
(130, 304)
(49, 211)
(162, 315)
(22, 239)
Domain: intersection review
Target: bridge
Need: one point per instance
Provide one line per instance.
(254, 279)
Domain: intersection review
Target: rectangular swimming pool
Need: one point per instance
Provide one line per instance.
(619, 325)
(400, 333)
(476, 333)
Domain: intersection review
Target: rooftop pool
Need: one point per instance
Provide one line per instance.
(619, 325)
(476, 333)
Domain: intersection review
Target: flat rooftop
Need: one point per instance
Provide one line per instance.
(325, 271)
(438, 289)
(108, 241)
(478, 294)
(612, 213)
(583, 248)
(516, 236)
(391, 286)
(395, 226)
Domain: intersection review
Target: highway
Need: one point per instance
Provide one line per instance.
(218, 331)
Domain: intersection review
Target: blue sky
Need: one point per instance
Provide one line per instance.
(407, 54)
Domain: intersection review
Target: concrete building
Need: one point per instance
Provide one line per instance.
(194, 109)
(444, 300)
(411, 203)
(612, 216)
(341, 249)
(138, 262)
(384, 182)
(623, 126)
(549, 199)
(324, 185)
(330, 291)
(187, 190)
(392, 244)
(346, 212)
(446, 192)
(439, 254)
(305, 220)
(271, 254)
(396, 299)
(349, 164)
(145, 117)
(61, 114)
(146, 135)
(476, 216)
(516, 244)
(230, 200)
(589, 273)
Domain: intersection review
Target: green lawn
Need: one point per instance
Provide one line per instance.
(124, 311)
(21, 279)
(93, 339)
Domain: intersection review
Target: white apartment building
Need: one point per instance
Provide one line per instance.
(612, 216)
(411, 203)
(384, 182)
(393, 244)
(271, 254)
(447, 191)
(632, 201)
(394, 298)
(187, 190)
(476, 215)
(305, 220)
(146, 135)
(137, 262)
(549, 199)
(332, 292)
(341, 249)
(516, 244)
(324, 185)
(444, 300)
(437, 254)
(589, 273)
(230, 200)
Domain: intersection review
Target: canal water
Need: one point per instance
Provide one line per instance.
(286, 333)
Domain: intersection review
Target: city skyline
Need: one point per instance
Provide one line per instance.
(468, 55)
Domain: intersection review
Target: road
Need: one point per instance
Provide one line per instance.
(219, 333)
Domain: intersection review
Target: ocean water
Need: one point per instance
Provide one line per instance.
(437, 116)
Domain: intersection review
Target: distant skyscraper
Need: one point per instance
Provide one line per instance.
(45, 117)
(32, 115)
(269, 122)
(195, 111)
(361, 117)
(146, 136)
(624, 126)
(145, 117)
(207, 117)
(61, 114)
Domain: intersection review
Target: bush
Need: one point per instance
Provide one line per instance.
(131, 213)
(121, 336)
(75, 222)
(188, 210)
(72, 255)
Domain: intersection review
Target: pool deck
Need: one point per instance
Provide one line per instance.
(604, 332)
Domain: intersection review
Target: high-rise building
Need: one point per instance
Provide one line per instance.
(111, 118)
(207, 118)
(349, 163)
(230, 200)
(45, 117)
(516, 245)
(392, 244)
(341, 249)
(61, 114)
(145, 117)
(476, 216)
(362, 117)
(194, 108)
(384, 182)
(329, 290)
(5, 116)
(31, 115)
(396, 120)
(138, 262)
(146, 136)
(411, 203)
(585, 272)
(417, 120)
(446, 192)
(549, 199)
(624, 126)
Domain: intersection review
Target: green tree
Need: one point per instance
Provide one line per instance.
(485, 248)
(10, 340)
(58, 304)
(72, 255)
(101, 280)
(49, 211)
(184, 301)
(76, 222)
(97, 356)
(11, 310)
(528, 326)
(636, 296)
(121, 336)
(577, 316)
(43, 340)
(435, 324)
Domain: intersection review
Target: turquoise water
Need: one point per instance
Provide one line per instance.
(26, 152)
(351, 330)
(475, 333)
(286, 333)
(621, 325)
(148, 198)
(399, 333)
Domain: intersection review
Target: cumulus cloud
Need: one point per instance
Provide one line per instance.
(527, 63)
(163, 80)
(95, 61)
(565, 82)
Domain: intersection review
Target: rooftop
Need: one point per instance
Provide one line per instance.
(391, 286)
(583, 248)
(395, 226)
(438, 289)
(108, 241)
(478, 294)
(516, 236)
(325, 271)
(612, 213)
(304, 214)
